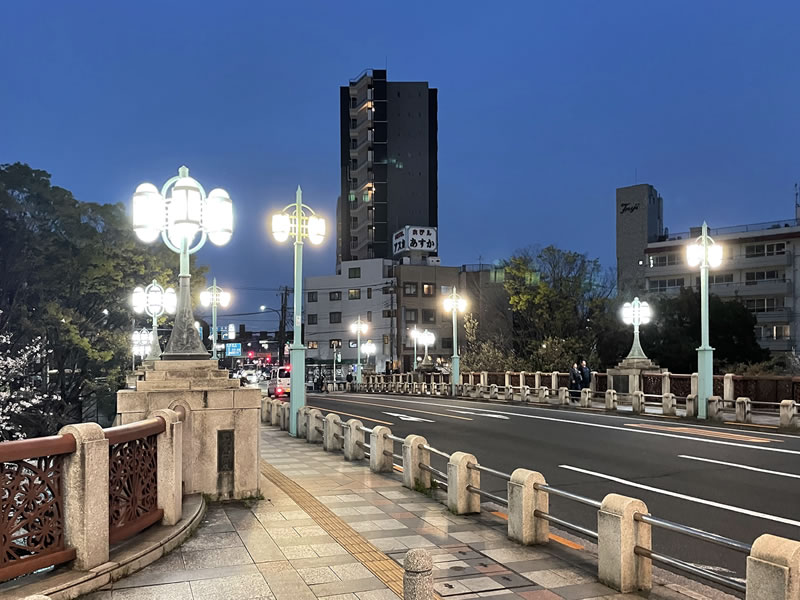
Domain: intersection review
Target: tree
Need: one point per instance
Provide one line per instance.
(67, 269)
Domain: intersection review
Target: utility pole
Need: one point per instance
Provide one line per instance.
(282, 325)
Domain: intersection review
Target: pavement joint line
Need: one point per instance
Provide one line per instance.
(379, 564)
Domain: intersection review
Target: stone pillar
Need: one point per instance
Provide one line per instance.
(170, 466)
(85, 485)
(525, 394)
(665, 383)
(353, 435)
(618, 533)
(379, 443)
(522, 379)
(460, 500)
(331, 425)
(274, 412)
(691, 406)
(313, 420)
(563, 395)
(508, 394)
(471, 378)
(413, 455)
(727, 387)
(493, 392)
(593, 382)
(284, 412)
(537, 379)
(586, 398)
(418, 575)
(638, 402)
(302, 422)
(554, 380)
(265, 409)
(541, 394)
(743, 410)
(611, 400)
(633, 382)
(668, 404)
(715, 408)
(523, 526)
(788, 413)
(694, 384)
(773, 569)
(484, 378)
(507, 381)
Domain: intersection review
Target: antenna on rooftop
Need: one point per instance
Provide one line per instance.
(796, 194)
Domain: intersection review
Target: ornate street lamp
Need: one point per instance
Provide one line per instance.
(369, 349)
(185, 217)
(705, 253)
(155, 301)
(214, 296)
(636, 313)
(426, 338)
(142, 342)
(414, 333)
(454, 304)
(298, 221)
(358, 327)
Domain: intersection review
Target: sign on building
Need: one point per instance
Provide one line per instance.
(414, 238)
(233, 349)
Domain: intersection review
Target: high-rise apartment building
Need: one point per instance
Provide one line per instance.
(389, 163)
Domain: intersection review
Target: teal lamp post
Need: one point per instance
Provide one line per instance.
(298, 221)
(455, 304)
(636, 313)
(155, 301)
(358, 327)
(705, 253)
(414, 333)
(185, 217)
(214, 296)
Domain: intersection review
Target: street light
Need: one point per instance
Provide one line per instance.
(358, 327)
(155, 301)
(369, 349)
(454, 304)
(142, 342)
(705, 253)
(185, 219)
(636, 313)
(427, 339)
(298, 221)
(414, 333)
(214, 296)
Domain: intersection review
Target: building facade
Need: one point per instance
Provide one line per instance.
(758, 267)
(389, 154)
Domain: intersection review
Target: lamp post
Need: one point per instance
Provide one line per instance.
(214, 296)
(427, 338)
(454, 304)
(636, 313)
(706, 253)
(155, 301)
(184, 219)
(358, 327)
(298, 221)
(335, 356)
(414, 333)
(142, 342)
(369, 349)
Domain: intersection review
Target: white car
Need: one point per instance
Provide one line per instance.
(250, 374)
(279, 382)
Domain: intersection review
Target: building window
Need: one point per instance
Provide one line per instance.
(753, 277)
(411, 315)
(335, 317)
(312, 296)
(353, 163)
(447, 343)
(409, 289)
(661, 285)
(665, 260)
(352, 196)
(719, 279)
(369, 316)
(313, 345)
(428, 315)
(354, 241)
(354, 183)
(353, 143)
(761, 305)
(385, 339)
(354, 294)
(335, 344)
(353, 343)
(369, 293)
(353, 222)
(353, 124)
(353, 102)
(312, 319)
(335, 296)
(389, 314)
(354, 273)
(772, 332)
(446, 290)
(756, 250)
(428, 289)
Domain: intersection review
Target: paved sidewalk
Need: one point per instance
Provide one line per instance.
(331, 529)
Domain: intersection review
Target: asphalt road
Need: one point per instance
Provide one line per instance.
(733, 482)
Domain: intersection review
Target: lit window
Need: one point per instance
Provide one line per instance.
(354, 294)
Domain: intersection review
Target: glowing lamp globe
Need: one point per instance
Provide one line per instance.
(148, 213)
(281, 227)
(184, 211)
(218, 217)
(358, 327)
(627, 313)
(316, 229)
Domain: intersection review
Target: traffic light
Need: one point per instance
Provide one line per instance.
(269, 359)
(250, 354)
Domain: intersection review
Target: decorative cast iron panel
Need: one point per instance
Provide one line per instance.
(31, 509)
(133, 483)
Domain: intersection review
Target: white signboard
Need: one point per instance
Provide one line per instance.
(411, 238)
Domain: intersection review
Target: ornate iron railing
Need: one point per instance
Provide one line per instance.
(31, 505)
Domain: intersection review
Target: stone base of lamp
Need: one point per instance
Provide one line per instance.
(426, 366)
(626, 377)
(184, 341)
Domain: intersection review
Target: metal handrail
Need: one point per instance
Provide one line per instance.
(440, 483)
(713, 538)
(486, 494)
(319, 429)
(436, 451)
(548, 517)
(364, 429)
(500, 474)
(567, 495)
(690, 568)
(338, 435)
(395, 438)
(430, 469)
(362, 445)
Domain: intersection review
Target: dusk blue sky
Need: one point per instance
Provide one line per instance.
(544, 109)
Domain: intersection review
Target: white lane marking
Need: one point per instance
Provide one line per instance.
(615, 427)
(408, 418)
(469, 412)
(737, 466)
(736, 509)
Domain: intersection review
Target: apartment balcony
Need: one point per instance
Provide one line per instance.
(780, 345)
(772, 287)
(754, 262)
(781, 315)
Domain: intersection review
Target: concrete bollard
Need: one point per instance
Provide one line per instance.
(285, 414)
(331, 425)
(541, 394)
(788, 413)
(274, 414)
(523, 499)
(313, 420)
(773, 569)
(727, 387)
(695, 384)
(474, 391)
(508, 394)
(715, 408)
(637, 399)
(353, 435)
(525, 393)
(265, 409)
(302, 421)
(611, 400)
(586, 398)
(493, 392)
(460, 500)
(743, 410)
(691, 406)
(418, 575)
(413, 454)
(563, 396)
(618, 533)
(668, 404)
(379, 444)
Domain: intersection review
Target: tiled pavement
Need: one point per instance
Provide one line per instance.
(331, 529)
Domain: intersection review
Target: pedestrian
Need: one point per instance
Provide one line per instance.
(323, 386)
(586, 375)
(575, 381)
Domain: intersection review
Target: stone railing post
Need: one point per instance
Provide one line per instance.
(265, 409)
(525, 394)
(379, 444)
(593, 382)
(563, 395)
(274, 412)
(537, 379)
(85, 485)
(542, 394)
(586, 398)
(493, 392)
(418, 575)
(169, 471)
(611, 400)
(691, 406)
(788, 413)
(523, 499)
(715, 408)
(508, 394)
(522, 379)
(694, 384)
(773, 569)
(665, 383)
(460, 500)
(617, 534)
(668, 404)
(484, 378)
(743, 410)
(727, 387)
(284, 414)
(471, 378)
(353, 435)
(638, 402)
(313, 420)
(413, 454)
(508, 379)
(554, 380)
(331, 425)
(302, 422)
